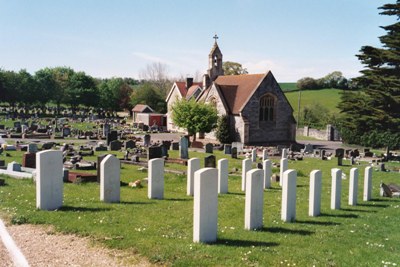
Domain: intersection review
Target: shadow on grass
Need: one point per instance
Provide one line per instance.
(318, 222)
(281, 230)
(235, 193)
(177, 199)
(274, 189)
(358, 210)
(371, 205)
(243, 243)
(82, 209)
(339, 215)
(135, 203)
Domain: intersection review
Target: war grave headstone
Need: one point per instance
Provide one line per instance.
(254, 155)
(234, 154)
(314, 207)
(184, 148)
(265, 155)
(110, 168)
(267, 171)
(336, 189)
(154, 152)
(193, 166)
(156, 179)
(246, 166)
(209, 162)
(209, 149)
(227, 149)
(49, 180)
(353, 187)
(288, 210)
(367, 184)
(115, 145)
(283, 168)
(205, 206)
(98, 164)
(254, 200)
(223, 176)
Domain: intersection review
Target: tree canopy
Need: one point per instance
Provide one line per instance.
(376, 109)
(233, 68)
(194, 116)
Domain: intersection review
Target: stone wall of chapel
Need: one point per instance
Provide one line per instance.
(281, 129)
(174, 96)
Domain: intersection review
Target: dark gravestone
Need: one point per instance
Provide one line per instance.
(130, 144)
(106, 129)
(339, 152)
(146, 140)
(209, 148)
(209, 162)
(17, 124)
(29, 160)
(234, 153)
(175, 146)
(184, 148)
(2, 163)
(115, 145)
(99, 159)
(167, 144)
(66, 131)
(47, 145)
(2, 126)
(340, 161)
(154, 152)
(164, 151)
(227, 149)
(112, 136)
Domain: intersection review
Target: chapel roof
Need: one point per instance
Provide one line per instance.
(141, 108)
(192, 89)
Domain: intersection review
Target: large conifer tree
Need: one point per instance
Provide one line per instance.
(376, 108)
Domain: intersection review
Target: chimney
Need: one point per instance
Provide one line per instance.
(189, 82)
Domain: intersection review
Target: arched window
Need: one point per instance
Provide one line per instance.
(267, 108)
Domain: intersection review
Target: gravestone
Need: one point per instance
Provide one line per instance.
(193, 166)
(13, 166)
(288, 210)
(209, 149)
(29, 160)
(367, 183)
(146, 140)
(47, 145)
(284, 153)
(154, 152)
(115, 145)
(382, 167)
(100, 147)
(209, 162)
(184, 148)
(106, 129)
(112, 136)
(32, 148)
(265, 155)
(336, 188)
(24, 128)
(156, 179)
(110, 168)
(238, 145)
(98, 164)
(254, 200)
(234, 153)
(254, 155)
(66, 131)
(267, 171)
(2, 126)
(339, 152)
(222, 176)
(49, 180)
(129, 144)
(353, 187)
(175, 145)
(283, 168)
(314, 206)
(227, 149)
(308, 149)
(164, 151)
(205, 206)
(167, 144)
(246, 166)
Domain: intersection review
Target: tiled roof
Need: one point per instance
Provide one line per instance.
(237, 89)
(182, 88)
(141, 107)
(192, 90)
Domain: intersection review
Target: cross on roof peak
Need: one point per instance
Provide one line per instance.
(215, 38)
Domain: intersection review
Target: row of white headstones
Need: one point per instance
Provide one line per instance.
(204, 184)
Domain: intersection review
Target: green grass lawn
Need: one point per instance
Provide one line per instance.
(162, 230)
(288, 86)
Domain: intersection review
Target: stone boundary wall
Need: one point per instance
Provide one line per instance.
(330, 134)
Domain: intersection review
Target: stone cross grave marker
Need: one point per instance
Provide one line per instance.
(110, 168)
(254, 200)
(49, 180)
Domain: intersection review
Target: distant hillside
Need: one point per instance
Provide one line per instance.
(328, 98)
(288, 86)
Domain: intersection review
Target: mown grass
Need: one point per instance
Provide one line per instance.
(161, 230)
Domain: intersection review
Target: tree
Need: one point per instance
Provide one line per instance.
(61, 76)
(223, 133)
(45, 85)
(233, 68)
(82, 90)
(307, 83)
(157, 74)
(194, 116)
(377, 108)
(148, 94)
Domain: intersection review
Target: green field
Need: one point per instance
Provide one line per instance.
(162, 230)
(288, 86)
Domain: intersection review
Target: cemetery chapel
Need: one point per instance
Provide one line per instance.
(257, 109)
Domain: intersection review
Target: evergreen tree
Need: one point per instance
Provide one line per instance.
(223, 133)
(377, 108)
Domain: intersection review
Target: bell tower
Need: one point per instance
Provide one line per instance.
(215, 62)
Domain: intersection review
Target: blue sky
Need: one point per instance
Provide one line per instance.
(292, 38)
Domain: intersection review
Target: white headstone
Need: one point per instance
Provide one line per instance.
(283, 168)
(314, 208)
(222, 176)
(205, 214)
(254, 155)
(265, 154)
(110, 168)
(288, 211)
(353, 187)
(253, 218)
(49, 180)
(367, 183)
(267, 170)
(246, 166)
(336, 190)
(193, 165)
(284, 153)
(156, 179)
